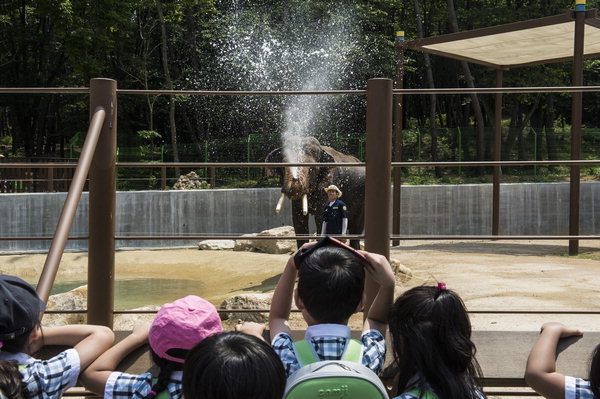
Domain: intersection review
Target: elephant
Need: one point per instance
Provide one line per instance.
(304, 186)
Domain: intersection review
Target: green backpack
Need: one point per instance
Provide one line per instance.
(332, 379)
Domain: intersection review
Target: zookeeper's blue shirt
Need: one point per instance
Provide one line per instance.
(333, 215)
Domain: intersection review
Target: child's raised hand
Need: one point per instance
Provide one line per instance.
(379, 269)
(560, 329)
(251, 328)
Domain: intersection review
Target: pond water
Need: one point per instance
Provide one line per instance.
(132, 293)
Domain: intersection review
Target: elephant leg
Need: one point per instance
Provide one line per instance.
(300, 221)
(356, 226)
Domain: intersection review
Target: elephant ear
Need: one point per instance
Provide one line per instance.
(274, 156)
(325, 176)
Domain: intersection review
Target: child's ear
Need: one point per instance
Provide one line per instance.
(298, 300)
(361, 304)
(35, 334)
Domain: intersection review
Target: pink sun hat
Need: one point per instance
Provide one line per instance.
(182, 324)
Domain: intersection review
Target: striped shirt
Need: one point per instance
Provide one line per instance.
(577, 388)
(122, 385)
(47, 379)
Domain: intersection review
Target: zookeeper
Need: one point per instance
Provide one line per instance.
(335, 214)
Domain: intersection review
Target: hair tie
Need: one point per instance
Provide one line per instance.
(1, 344)
(152, 393)
(441, 286)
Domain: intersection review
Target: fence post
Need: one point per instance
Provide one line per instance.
(50, 181)
(378, 175)
(102, 205)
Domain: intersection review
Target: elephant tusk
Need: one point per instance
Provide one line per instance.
(304, 204)
(279, 203)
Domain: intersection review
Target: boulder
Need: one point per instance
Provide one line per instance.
(249, 302)
(269, 246)
(216, 245)
(191, 181)
(75, 299)
(402, 273)
(126, 322)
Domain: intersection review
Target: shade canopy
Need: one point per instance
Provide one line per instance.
(537, 41)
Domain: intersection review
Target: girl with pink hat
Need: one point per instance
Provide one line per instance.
(176, 329)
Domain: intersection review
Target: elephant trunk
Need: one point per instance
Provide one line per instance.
(280, 203)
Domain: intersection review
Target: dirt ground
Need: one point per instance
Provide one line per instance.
(496, 276)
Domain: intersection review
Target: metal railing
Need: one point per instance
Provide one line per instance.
(377, 235)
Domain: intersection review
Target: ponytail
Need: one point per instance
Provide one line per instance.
(11, 381)
(166, 367)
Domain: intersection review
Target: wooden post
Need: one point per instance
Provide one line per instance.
(102, 206)
(397, 149)
(497, 156)
(378, 175)
(576, 111)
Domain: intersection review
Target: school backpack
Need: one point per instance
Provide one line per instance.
(333, 379)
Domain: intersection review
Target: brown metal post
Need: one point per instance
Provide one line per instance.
(397, 148)
(378, 175)
(163, 178)
(50, 182)
(576, 112)
(213, 177)
(497, 156)
(102, 205)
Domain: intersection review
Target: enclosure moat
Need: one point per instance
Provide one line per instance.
(495, 276)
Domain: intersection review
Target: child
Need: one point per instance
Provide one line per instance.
(433, 351)
(233, 365)
(541, 374)
(21, 336)
(330, 290)
(177, 328)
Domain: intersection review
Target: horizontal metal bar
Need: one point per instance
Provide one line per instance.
(507, 90)
(479, 311)
(44, 238)
(311, 237)
(236, 164)
(500, 163)
(446, 90)
(492, 237)
(44, 90)
(234, 237)
(565, 162)
(241, 92)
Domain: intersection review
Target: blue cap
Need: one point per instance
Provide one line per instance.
(20, 307)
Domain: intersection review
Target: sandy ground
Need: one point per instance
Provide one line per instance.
(494, 276)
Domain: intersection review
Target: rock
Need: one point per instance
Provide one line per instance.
(245, 245)
(191, 181)
(402, 273)
(216, 245)
(270, 246)
(248, 301)
(75, 299)
(126, 322)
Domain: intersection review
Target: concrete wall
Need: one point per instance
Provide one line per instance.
(536, 208)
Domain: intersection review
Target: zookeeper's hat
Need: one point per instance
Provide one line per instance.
(334, 188)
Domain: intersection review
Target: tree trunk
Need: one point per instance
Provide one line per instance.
(169, 83)
(551, 146)
(433, 97)
(474, 100)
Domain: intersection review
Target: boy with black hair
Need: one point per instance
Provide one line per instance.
(330, 290)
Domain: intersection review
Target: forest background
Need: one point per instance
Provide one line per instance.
(276, 45)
